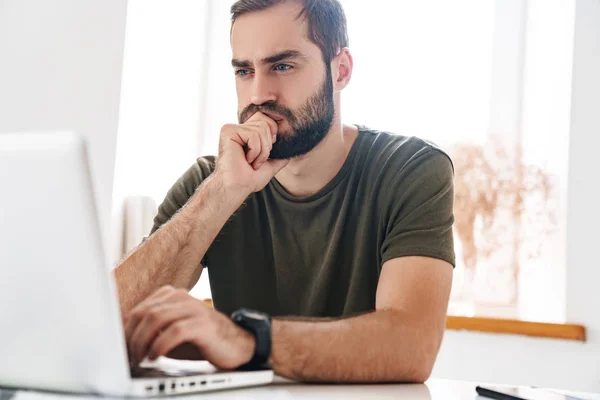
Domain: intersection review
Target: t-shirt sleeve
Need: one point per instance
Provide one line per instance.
(419, 209)
(182, 190)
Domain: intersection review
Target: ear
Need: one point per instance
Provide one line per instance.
(341, 67)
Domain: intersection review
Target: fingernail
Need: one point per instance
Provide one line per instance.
(274, 138)
(259, 165)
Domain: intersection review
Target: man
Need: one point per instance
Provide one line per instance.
(347, 230)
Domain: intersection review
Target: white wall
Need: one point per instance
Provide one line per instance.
(583, 273)
(60, 68)
(548, 362)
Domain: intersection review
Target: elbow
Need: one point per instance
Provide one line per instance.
(423, 364)
(419, 372)
(429, 351)
(422, 374)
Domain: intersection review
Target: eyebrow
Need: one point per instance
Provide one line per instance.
(281, 56)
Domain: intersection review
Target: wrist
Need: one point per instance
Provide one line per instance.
(230, 192)
(228, 195)
(247, 346)
(258, 325)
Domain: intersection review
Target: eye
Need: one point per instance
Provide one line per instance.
(282, 67)
(242, 73)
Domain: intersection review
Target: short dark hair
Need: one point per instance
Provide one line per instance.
(326, 21)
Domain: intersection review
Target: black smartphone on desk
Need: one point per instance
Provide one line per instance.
(520, 393)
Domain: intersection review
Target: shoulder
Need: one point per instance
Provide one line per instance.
(204, 166)
(398, 156)
(193, 177)
(183, 189)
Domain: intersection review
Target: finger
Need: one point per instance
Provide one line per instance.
(138, 311)
(247, 137)
(254, 148)
(156, 320)
(160, 297)
(227, 134)
(133, 318)
(273, 127)
(266, 145)
(186, 351)
(271, 124)
(175, 335)
(243, 136)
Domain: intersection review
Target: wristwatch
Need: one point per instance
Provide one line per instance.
(259, 324)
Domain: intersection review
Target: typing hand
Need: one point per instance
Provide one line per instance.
(172, 322)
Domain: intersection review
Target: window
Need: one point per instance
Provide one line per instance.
(488, 82)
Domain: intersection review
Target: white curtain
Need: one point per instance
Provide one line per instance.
(159, 121)
(138, 215)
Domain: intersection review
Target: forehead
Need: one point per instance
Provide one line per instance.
(256, 35)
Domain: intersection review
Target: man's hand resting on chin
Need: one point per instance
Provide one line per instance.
(172, 323)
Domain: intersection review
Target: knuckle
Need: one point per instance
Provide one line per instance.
(181, 293)
(165, 289)
(136, 315)
(263, 124)
(254, 136)
(212, 330)
(178, 330)
(153, 316)
(253, 145)
(225, 129)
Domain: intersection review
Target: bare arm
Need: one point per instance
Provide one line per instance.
(398, 342)
(173, 254)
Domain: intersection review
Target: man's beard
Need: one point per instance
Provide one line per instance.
(309, 125)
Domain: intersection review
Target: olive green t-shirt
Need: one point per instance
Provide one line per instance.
(321, 255)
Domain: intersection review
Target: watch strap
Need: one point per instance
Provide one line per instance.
(261, 329)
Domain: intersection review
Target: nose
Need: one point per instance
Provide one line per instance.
(263, 90)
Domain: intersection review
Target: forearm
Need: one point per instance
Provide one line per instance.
(383, 346)
(173, 254)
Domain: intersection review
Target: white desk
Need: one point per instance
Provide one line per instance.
(434, 389)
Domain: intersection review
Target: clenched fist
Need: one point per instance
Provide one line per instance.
(243, 162)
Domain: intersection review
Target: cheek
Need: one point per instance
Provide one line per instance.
(243, 95)
(300, 90)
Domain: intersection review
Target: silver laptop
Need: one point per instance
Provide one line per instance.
(60, 323)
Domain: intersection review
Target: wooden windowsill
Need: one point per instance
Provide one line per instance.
(510, 326)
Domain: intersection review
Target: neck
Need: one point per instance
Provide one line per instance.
(307, 174)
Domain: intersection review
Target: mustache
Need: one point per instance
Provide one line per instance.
(271, 107)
